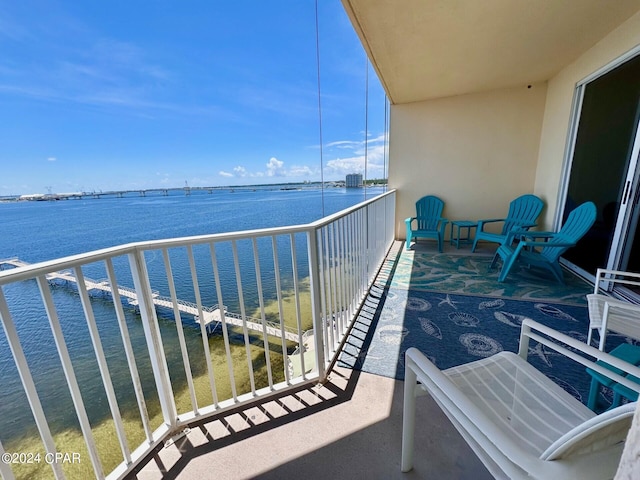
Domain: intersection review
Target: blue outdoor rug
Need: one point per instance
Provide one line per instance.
(454, 329)
(469, 274)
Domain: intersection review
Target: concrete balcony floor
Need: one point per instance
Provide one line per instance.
(348, 428)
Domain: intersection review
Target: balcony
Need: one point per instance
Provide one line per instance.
(281, 383)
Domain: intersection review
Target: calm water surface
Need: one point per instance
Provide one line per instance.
(38, 231)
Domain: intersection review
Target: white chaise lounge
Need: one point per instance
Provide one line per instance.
(519, 422)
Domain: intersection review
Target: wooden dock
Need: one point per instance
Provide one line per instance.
(212, 315)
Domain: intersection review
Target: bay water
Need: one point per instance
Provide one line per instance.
(45, 230)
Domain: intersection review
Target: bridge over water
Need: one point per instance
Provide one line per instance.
(212, 315)
(114, 193)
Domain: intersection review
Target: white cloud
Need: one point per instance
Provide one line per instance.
(274, 168)
(240, 171)
(51, 159)
(357, 146)
(346, 144)
(300, 171)
(356, 164)
(334, 168)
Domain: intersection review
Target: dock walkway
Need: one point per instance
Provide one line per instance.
(213, 314)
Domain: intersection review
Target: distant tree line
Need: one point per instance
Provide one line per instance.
(376, 181)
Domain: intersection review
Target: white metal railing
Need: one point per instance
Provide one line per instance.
(308, 279)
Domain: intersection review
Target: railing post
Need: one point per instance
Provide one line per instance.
(316, 309)
(152, 335)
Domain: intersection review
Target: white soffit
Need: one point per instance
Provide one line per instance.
(424, 49)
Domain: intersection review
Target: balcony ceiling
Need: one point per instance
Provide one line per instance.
(424, 49)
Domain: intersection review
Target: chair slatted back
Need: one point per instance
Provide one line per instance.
(522, 210)
(428, 212)
(578, 223)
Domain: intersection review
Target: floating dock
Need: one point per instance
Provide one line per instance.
(212, 315)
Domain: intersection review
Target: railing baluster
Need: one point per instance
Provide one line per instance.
(128, 349)
(315, 266)
(378, 248)
(341, 273)
(70, 375)
(5, 469)
(353, 264)
(203, 328)
(225, 333)
(154, 340)
(348, 264)
(283, 341)
(179, 328)
(296, 290)
(325, 308)
(344, 263)
(357, 256)
(363, 248)
(370, 241)
(362, 272)
(334, 288)
(247, 342)
(102, 363)
(265, 338)
(30, 389)
(369, 245)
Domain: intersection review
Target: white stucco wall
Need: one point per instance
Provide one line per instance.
(477, 152)
(560, 91)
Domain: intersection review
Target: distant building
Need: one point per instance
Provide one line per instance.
(354, 180)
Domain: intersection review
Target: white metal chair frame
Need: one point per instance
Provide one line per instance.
(588, 448)
(609, 313)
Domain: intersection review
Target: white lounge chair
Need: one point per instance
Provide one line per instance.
(519, 422)
(607, 313)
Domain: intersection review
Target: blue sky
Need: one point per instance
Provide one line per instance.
(123, 95)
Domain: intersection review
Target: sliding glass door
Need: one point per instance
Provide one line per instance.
(604, 169)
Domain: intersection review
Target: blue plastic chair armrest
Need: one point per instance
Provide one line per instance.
(482, 222)
(526, 225)
(515, 232)
(529, 243)
(489, 220)
(533, 235)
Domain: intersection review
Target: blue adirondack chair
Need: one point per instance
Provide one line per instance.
(428, 220)
(545, 254)
(523, 213)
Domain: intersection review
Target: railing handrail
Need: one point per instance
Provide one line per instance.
(55, 265)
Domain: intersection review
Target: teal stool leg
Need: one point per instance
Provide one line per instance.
(593, 394)
(617, 400)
